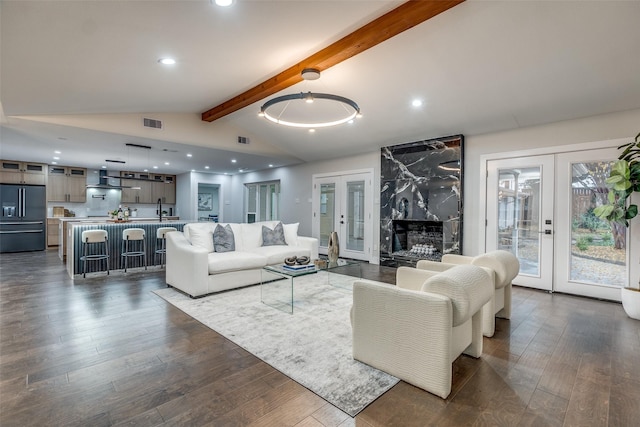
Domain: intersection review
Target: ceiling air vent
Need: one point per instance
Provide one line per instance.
(152, 123)
(243, 140)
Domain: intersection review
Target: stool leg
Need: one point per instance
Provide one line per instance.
(144, 251)
(155, 254)
(124, 253)
(106, 251)
(164, 251)
(84, 261)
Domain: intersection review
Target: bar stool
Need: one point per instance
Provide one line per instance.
(160, 235)
(135, 236)
(95, 238)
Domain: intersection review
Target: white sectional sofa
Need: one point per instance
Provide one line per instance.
(194, 267)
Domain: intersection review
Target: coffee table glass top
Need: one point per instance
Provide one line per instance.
(281, 269)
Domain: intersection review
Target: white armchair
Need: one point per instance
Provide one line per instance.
(504, 267)
(416, 329)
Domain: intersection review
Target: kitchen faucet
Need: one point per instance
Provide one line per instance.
(159, 206)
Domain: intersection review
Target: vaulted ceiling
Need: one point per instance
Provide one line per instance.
(79, 77)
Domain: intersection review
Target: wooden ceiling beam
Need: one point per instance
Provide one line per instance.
(400, 19)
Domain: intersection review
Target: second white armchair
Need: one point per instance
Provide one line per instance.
(504, 267)
(416, 329)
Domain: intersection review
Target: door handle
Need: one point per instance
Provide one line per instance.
(548, 232)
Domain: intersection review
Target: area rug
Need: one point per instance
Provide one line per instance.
(312, 346)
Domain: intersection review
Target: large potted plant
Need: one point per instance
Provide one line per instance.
(623, 181)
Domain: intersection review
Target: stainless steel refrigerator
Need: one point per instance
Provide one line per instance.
(24, 216)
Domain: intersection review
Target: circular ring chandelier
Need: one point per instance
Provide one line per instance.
(351, 109)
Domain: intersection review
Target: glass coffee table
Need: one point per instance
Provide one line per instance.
(276, 286)
(276, 281)
(343, 267)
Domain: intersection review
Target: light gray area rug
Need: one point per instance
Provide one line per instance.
(312, 346)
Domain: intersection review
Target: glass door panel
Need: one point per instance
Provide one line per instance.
(355, 215)
(520, 215)
(592, 253)
(327, 212)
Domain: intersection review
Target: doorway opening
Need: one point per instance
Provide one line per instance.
(208, 202)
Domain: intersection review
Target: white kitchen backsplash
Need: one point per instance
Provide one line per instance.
(101, 201)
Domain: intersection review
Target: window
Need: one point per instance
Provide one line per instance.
(262, 201)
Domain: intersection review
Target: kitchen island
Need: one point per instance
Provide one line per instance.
(114, 231)
(64, 229)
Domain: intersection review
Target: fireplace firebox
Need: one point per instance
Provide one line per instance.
(414, 240)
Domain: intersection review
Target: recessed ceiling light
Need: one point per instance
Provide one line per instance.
(312, 130)
(223, 3)
(270, 166)
(146, 170)
(416, 102)
(350, 121)
(104, 167)
(189, 155)
(233, 160)
(240, 170)
(206, 167)
(58, 152)
(155, 167)
(193, 170)
(167, 61)
(166, 163)
(54, 163)
(56, 158)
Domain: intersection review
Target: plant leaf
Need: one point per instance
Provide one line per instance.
(603, 211)
(621, 167)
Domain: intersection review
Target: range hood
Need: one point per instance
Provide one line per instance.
(105, 181)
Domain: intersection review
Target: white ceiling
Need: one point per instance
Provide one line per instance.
(78, 77)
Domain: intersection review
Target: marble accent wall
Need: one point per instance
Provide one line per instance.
(421, 181)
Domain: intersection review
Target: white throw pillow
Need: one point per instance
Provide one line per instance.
(291, 233)
(201, 235)
(252, 235)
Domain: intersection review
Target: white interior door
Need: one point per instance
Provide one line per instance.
(519, 216)
(592, 256)
(340, 204)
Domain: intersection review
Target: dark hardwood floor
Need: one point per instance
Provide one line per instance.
(107, 351)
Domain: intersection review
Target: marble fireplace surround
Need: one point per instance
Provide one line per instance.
(421, 200)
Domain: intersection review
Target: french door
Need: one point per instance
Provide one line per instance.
(592, 254)
(541, 209)
(520, 215)
(339, 204)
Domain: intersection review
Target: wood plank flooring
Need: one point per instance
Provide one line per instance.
(106, 351)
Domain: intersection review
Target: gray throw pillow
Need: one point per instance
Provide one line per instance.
(223, 239)
(273, 237)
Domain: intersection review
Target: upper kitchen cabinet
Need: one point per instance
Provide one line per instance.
(165, 188)
(15, 172)
(139, 187)
(136, 190)
(67, 184)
